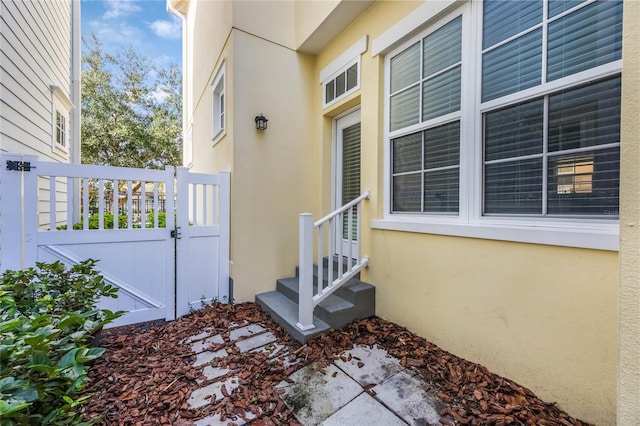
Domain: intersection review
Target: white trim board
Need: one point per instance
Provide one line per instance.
(358, 48)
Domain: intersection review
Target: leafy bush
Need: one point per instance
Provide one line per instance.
(94, 221)
(48, 316)
(122, 221)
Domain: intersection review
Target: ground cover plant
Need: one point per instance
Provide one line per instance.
(48, 318)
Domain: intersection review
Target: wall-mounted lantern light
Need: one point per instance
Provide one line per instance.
(261, 122)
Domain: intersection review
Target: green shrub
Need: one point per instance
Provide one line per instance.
(122, 222)
(48, 316)
(94, 222)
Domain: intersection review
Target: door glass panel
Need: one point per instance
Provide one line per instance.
(350, 174)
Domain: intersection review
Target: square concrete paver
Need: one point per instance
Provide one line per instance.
(201, 345)
(368, 365)
(206, 357)
(315, 396)
(211, 393)
(255, 341)
(410, 399)
(215, 420)
(205, 333)
(246, 331)
(211, 372)
(363, 411)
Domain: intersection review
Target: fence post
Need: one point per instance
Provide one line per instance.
(170, 214)
(224, 216)
(305, 299)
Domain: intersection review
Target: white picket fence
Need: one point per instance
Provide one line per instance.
(162, 271)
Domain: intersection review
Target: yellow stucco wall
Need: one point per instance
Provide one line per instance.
(629, 346)
(545, 316)
(272, 169)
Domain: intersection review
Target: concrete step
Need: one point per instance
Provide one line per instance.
(285, 312)
(353, 300)
(334, 310)
(355, 291)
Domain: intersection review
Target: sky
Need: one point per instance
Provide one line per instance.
(144, 25)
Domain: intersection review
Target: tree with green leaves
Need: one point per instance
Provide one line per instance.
(131, 110)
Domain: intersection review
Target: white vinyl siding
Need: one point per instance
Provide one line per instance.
(36, 54)
(529, 150)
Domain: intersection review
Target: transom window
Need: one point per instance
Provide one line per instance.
(344, 82)
(531, 108)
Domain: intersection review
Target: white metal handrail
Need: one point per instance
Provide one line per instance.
(348, 263)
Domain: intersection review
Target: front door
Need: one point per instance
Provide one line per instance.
(347, 175)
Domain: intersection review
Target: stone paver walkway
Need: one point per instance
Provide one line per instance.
(364, 386)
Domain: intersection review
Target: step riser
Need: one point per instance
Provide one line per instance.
(334, 265)
(320, 311)
(284, 312)
(353, 300)
(352, 291)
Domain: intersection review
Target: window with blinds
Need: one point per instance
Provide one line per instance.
(425, 90)
(517, 124)
(558, 152)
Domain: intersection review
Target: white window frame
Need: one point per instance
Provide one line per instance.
(60, 104)
(339, 66)
(595, 233)
(218, 105)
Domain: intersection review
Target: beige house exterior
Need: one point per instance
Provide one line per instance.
(550, 297)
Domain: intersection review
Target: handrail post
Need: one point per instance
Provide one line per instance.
(305, 298)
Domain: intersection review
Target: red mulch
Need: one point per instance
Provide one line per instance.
(146, 376)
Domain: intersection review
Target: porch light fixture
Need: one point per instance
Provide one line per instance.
(261, 122)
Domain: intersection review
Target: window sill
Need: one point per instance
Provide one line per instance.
(60, 150)
(217, 137)
(599, 236)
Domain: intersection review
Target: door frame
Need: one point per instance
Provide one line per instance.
(346, 119)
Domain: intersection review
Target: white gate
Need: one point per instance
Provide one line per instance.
(137, 249)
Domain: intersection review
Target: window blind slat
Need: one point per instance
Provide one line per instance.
(504, 19)
(405, 68)
(442, 48)
(441, 146)
(585, 184)
(441, 94)
(587, 116)
(512, 67)
(515, 131)
(407, 153)
(513, 187)
(407, 193)
(441, 193)
(350, 173)
(405, 108)
(584, 39)
(556, 7)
